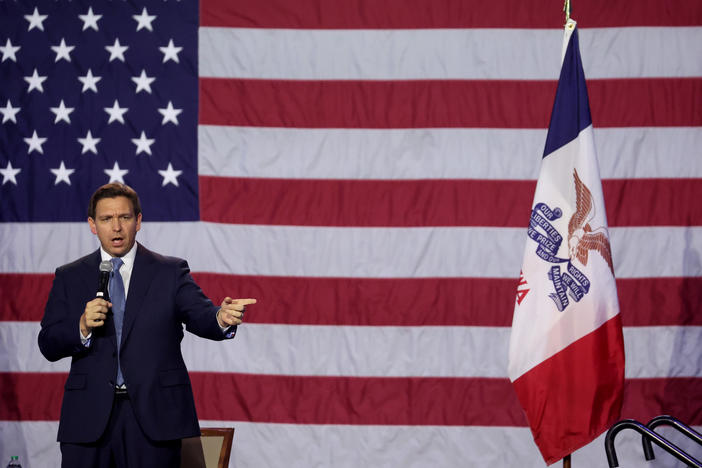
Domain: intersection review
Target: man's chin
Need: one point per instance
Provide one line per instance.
(117, 250)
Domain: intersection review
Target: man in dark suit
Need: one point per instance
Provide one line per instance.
(127, 400)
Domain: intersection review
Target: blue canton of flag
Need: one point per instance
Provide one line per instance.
(93, 93)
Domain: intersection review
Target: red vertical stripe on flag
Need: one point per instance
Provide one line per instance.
(560, 407)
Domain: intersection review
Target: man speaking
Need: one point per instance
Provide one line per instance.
(127, 400)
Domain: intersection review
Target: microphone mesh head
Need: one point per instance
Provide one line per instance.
(106, 266)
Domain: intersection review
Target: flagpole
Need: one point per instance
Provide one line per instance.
(566, 461)
(566, 10)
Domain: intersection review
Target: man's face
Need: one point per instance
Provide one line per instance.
(115, 225)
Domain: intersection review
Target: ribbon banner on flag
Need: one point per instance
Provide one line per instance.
(566, 357)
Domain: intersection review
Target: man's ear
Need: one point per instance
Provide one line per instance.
(93, 228)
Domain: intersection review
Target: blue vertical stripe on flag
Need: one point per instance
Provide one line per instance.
(566, 125)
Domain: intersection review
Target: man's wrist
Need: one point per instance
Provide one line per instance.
(85, 338)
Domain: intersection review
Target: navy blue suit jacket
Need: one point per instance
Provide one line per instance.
(162, 297)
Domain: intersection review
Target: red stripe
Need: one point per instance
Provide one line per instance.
(409, 203)
(303, 400)
(376, 104)
(660, 301)
(437, 103)
(482, 302)
(575, 395)
(31, 396)
(477, 302)
(366, 202)
(372, 302)
(24, 295)
(644, 399)
(653, 202)
(408, 14)
(353, 400)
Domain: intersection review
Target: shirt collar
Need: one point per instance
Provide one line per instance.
(127, 258)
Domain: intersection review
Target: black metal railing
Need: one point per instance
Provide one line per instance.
(665, 420)
(649, 435)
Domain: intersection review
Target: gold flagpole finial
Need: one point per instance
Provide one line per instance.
(566, 9)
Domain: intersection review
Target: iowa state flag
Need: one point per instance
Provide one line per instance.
(566, 357)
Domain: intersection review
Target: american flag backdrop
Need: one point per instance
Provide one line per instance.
(365, 169)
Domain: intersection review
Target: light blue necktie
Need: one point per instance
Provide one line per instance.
(118, 301)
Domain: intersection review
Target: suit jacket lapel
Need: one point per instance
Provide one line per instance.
(142, 276)
(90, 272)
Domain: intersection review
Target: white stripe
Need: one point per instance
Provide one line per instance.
(34, 442)
(665, 251)
(357, 351)
(652, 352)
(259, 445)
(663, 351)
(493, 54)
(286, 445)
(437, 153)
(19, 351)
(319, 350)
(360, 351)
(346, 252)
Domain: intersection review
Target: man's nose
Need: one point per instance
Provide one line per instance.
(116, 224)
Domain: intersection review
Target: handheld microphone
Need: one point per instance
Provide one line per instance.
(104, 281)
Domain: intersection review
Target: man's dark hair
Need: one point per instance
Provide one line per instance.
(114, 190)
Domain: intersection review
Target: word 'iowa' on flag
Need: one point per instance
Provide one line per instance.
(566, 357)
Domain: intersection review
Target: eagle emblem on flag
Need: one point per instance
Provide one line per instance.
(581, 237)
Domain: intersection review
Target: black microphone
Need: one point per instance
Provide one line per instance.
(104, 281)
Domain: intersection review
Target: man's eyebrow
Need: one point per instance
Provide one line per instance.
(119, 215)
